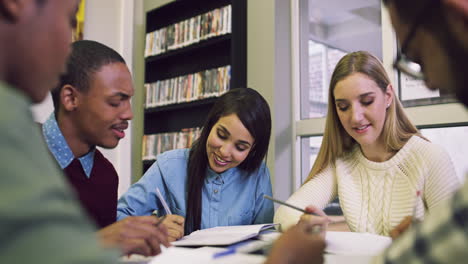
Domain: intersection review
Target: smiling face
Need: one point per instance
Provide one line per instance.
(104, 109)
(228, 144)
(361, 106)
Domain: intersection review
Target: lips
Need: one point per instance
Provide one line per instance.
(119, 129)
(362, 129)
(219, 161)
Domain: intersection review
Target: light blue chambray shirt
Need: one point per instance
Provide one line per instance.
(231, 198)
(59, 148)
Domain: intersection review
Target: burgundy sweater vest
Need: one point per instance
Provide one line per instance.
(98, 193)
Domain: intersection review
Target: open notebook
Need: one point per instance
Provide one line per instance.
(222, 235)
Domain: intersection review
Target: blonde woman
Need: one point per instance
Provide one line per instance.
(372, 156)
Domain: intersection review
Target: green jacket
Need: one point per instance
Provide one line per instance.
(40, 219)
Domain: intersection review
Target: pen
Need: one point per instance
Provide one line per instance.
(288, 205)
(161, 219)
(161, 198)
(224, 253)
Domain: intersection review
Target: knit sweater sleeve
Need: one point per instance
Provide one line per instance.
(441, 181)
(319, 191)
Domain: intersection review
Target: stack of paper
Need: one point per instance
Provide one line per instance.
(221, 235)
(358, 244)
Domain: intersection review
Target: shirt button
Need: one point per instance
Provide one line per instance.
(216, 191)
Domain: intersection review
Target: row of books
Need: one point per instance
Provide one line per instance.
(196, 86)
(213, 23)
(155, 144)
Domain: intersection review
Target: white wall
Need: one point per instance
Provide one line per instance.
(269, 71)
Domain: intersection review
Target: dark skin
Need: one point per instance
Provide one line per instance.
(135, 235)
(88, 119)
(449, 51)
(298, 246)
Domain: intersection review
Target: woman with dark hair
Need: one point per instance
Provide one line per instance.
(221, 180)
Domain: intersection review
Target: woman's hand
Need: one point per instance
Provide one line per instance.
(175, 226)
(401, 227)
(316, 218)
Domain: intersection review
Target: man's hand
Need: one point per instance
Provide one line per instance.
(401, 227)
(320, 218)
(175, 226)
(135, 235)
(298, 245)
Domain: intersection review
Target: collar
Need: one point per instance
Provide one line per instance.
(219, 178)
(59, 148)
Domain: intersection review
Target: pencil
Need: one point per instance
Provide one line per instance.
(288, 205)
(161, 219)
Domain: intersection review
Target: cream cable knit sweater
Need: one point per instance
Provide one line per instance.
(376, 196)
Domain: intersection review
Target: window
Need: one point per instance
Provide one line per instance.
(323, 32)
(331, 29)
(310, 148)
(453, 139)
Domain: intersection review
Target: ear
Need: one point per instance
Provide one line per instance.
(11, 9)
(69, 98)
(389, 95)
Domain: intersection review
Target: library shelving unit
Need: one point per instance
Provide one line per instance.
(213, 52)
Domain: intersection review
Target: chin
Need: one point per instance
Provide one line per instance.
(38, 98)
(109, 145)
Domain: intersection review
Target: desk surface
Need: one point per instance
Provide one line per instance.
(345, 247)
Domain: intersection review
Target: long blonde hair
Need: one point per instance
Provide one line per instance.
(336, 141)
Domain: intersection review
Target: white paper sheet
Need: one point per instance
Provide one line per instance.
(204, 255)
(357, 244)
(221, 235)
(347, 259)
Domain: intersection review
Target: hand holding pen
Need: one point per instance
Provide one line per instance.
(174, 223)
(316, 219)
(135, 235)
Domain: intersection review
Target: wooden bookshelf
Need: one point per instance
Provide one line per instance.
(214, 52)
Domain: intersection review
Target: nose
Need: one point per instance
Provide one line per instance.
(127, 113)
(357, 114)
(225, 150)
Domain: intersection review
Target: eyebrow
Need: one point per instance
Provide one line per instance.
(360, 96)
(122, 95)
(227, 132)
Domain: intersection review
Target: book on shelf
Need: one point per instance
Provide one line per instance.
(187, 88)
(156, 144)
(213, 23)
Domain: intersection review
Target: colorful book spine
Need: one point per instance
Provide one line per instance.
(187, 88)
(156, 144)
(214, 23)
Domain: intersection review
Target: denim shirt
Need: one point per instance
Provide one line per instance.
(59, 148)
(233, 197)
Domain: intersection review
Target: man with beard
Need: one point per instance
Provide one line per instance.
(92, 108)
